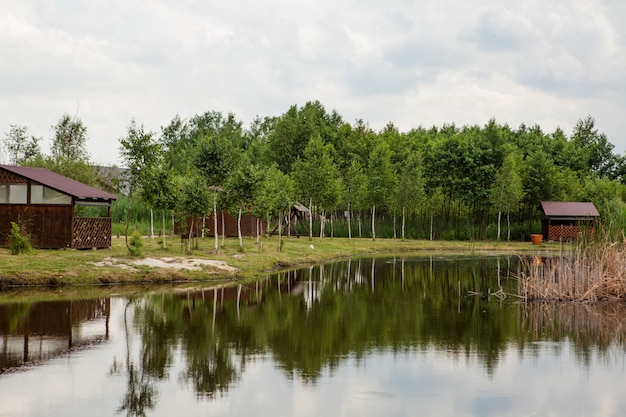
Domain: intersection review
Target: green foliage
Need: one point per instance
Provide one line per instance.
(70, 140)
(135, 244)
(444, 181)
(20, 147)
(19, 239)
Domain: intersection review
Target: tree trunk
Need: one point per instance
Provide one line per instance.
(164, 233)
(215, 247)
(499, 218)
(395, 234)
(189, 236)
(130, 203)
(431, 226)
(239, 229)
(310, 218)
(151, 223)
(223, 229)
(280, 231)
(322, 224)
(373, 222)
(349, 225)
(508, 227)
(403, 220)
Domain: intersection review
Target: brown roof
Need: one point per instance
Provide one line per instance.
(569, 209)
(60, 183)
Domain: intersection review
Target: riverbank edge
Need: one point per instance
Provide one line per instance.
(66, 267)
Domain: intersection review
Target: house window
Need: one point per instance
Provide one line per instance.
(40, 194)
(13, 193)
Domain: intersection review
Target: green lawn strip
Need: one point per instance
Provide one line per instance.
(61, 267)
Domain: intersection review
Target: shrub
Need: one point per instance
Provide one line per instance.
(19, 240)
(135, 244)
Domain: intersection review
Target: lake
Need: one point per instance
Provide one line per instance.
(392, 336)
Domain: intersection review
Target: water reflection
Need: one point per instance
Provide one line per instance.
(401, 322)
(36, 332)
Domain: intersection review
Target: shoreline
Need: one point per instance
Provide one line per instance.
(54, 268)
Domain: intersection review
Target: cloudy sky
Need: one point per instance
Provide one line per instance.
(412, 62)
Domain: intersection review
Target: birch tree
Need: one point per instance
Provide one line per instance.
(140, 152)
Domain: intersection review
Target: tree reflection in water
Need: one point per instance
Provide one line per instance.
(315, 319)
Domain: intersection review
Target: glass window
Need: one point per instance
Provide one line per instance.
(36, 194)
(4, 194)
(18, 193)
(51, 196)
(40, 194)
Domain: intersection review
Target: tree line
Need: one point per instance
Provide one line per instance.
(442, 182)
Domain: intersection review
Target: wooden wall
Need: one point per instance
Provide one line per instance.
(49, 226)
(248, 225)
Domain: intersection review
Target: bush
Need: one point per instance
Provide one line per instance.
(135, 244)
(19, 241)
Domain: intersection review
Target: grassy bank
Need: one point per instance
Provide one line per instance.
(91, 267)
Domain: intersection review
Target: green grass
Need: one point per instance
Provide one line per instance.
(67, 267)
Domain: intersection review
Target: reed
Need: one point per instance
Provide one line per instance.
(593, 270)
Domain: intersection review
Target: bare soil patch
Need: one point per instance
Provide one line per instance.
(177, 263)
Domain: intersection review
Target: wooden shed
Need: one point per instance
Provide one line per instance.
(49, 206)
(249, 225)
(566, 220)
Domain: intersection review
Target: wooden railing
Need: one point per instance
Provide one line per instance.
(91, 232)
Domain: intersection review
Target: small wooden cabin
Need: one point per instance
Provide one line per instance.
(248, 225)
(47, 203)
(566, 220)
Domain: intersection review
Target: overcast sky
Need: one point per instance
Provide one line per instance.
(409, 62)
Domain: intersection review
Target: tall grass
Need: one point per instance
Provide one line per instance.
(593, 269)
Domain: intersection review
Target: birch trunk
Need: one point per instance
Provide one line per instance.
(239, 229)
(349, 226)
(310, 218)
(373, 222)
(280, 231)
(215, 233)
(403, 221)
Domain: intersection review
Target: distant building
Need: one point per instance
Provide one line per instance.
(566, 220)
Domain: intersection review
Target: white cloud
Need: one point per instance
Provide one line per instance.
(413, 63)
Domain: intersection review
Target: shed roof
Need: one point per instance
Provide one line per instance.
(569, 209)
(60, 183)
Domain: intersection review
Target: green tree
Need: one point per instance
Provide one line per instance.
(21, 148)
(410, 190)
(274, 196)
(381, 180)
(194, 201)
(215, 157)
(240, 187)
(507, 192)
(159, 190)
(355, 183)
(70, 140)
(596, 149)
(140, 152)
(317, 178)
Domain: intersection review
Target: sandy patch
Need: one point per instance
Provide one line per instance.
(192, 264)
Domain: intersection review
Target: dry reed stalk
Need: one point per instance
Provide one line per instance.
(592, 272)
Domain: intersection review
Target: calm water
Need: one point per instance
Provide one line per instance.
(383, 337)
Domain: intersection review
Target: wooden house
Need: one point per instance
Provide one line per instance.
(49, 206)
(566, 220)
